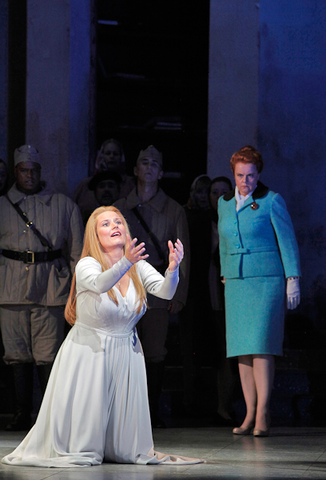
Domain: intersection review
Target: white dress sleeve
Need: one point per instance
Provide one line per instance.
(155, 284)
(89, 275)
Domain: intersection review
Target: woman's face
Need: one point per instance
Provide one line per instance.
(246, 177)
(110, 158)
(218, 189)
(200, 196)
(111, 231)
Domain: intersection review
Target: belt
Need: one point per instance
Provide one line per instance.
(32, 257)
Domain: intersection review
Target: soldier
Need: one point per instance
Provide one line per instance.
(155, 218)
(41, 235)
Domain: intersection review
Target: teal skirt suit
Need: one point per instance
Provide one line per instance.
(258, 251)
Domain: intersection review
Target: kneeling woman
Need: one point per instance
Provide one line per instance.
(260, 265)
(95, 407)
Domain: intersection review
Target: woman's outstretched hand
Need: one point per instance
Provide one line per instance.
(175, 255)
(134, 252)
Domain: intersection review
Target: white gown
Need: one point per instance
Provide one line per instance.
(95, 407)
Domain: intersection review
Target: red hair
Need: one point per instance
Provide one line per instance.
(247, 154)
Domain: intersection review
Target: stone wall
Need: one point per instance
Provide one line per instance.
(267, 88)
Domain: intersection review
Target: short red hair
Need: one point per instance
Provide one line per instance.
(247, 154)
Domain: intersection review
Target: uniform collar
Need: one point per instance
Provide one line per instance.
(16, 196)
(157, 202)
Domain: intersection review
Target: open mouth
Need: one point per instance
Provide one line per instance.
(116, 234)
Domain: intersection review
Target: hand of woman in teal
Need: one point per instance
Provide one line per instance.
(293, 292)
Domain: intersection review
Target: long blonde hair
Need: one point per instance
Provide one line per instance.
(92, 248)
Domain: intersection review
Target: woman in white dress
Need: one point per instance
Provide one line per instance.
(95, 407)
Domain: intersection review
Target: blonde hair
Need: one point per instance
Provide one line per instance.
(92, 248)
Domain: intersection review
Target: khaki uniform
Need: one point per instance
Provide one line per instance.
(41, 287)
(167, 220)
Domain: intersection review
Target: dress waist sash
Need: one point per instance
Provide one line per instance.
(105, 332)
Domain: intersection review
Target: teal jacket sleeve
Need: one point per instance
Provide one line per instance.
(285, 235)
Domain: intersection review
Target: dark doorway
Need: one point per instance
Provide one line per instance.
(152, 83)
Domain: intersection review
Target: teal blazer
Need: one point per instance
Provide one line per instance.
(259, 239)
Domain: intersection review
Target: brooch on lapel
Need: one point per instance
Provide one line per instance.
(254, 206)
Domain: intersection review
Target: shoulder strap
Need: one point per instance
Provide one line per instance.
(150, 233)
(30, 224)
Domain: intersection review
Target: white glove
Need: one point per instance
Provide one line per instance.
(293, 292)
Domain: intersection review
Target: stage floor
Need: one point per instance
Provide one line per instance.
(296, 453)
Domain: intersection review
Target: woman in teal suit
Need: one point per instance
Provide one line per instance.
(261, 269)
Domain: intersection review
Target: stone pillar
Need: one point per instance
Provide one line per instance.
(60, 88)
(233, 81)
(3, 79)
(12, 78)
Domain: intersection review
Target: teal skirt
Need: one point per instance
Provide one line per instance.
(255, 309)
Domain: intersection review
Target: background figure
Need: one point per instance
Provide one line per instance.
(199, 194)
(226, 367)
(106, 187)
(3, 190)
(155, 218)
(36, 265)
(3, 178)
(195, 318)
(109, 158)
(260, 264)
